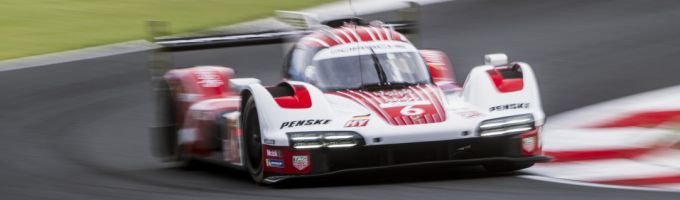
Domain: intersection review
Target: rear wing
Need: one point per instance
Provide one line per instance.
(300, 24)
(222, 41)
(249, 39)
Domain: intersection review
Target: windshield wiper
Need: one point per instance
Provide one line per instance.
(379, 68)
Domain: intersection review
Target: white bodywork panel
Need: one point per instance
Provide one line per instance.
(465, 110)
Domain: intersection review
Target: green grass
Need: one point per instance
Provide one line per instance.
(31, 27)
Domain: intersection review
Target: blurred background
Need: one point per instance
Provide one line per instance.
(45, 26)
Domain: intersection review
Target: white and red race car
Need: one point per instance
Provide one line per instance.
(355, 96)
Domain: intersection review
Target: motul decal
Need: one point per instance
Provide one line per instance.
(273, 153)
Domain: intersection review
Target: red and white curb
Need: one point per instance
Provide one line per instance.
(628, 142)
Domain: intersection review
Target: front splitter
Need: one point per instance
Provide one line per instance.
(475, 161)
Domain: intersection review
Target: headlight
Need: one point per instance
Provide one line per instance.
(507, 125)
(314, 140)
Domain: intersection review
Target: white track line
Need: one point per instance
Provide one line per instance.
(667, 158)
(570, 182)
(604, 138)
(602, 170)
(669, 187)
(75, 55)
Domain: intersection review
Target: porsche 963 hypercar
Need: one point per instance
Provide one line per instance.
(353, 96)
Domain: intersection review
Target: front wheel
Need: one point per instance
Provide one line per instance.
(253, 141)
(507, 167)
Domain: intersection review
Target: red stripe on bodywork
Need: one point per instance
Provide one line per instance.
(505, 84)
(567, 156)
(366, 103)
(438, 103)
(642, 119)
(301, 99)
(346, 35)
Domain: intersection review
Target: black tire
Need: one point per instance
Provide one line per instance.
(506, 167)
(253, 141)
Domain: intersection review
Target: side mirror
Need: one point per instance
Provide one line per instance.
(238, 84)
(496, 59)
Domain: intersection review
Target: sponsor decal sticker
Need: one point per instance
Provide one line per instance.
(529, 144)
(273, 153)
(511, 106)
(402, 97)
(300, 162)
(269, 141)
(358, 121)
(469, 114)
(309, 122)
(275, 163)
(417, 119)
(208, 79)
(411, 111)
(374, 47)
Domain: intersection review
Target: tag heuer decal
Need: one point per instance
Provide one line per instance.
(300, 162)
(529, 144)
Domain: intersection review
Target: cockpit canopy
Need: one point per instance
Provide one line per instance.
(357, 65)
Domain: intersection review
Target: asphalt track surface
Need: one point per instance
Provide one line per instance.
(79, 130)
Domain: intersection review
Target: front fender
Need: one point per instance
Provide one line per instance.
(277, 119)
(481, 91)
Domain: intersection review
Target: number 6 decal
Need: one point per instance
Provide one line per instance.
(410, 110)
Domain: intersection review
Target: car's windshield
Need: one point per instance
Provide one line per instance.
(331, 70)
